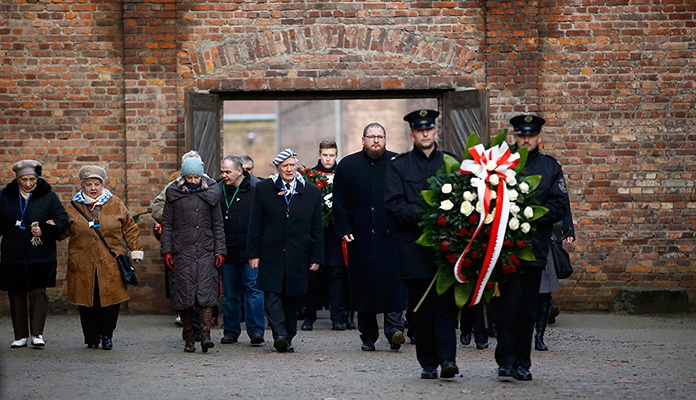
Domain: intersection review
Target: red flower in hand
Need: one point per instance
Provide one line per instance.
(444, 246)
(514, 260)
(320, 184)
(441, 220)
(509, 269)
(521, 244)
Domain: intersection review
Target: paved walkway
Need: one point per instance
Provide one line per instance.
(592, 356)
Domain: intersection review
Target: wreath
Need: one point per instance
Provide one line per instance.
(324, 181)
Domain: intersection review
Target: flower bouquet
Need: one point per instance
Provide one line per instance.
(324, 181)
(479, 218)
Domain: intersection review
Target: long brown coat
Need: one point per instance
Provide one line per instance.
(88, 256)
(192, 231)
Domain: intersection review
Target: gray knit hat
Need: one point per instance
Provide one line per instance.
(27, 167)
(284, 155)
(92, 171)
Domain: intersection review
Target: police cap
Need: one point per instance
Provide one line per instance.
(527, 125)
(422, 119)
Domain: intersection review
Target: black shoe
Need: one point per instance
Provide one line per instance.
(465, 339)
(522, 374)
(448, 370)
(482, 346)
(307, 326)
(492, 332)
(291, 349)
(338, 327)
(92, 345)
(107, 344)
(505, 372)
(256, 339)
(539, 343)
(281, 344)
(411, 337)
(228, 340)
(429, 373)
(368, 346)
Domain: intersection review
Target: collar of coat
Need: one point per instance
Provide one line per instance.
(210, 196)
(299, 186)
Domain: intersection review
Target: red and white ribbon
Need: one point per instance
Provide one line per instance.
(497, 161)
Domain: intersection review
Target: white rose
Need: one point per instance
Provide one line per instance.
(525, 227)
(511, 180)
(469, 196)
(489, 218)
(447, 188)
(528, 212)
(446, 205)
(493, 195)
(478, 207)
(466, 208)
(514, 209)
(494, 180)
(476, 182)
(524, 187)
(513, 224)
(512, 194)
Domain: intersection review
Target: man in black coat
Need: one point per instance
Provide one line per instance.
(238, 278)
(333, 269)
(285, 242)
(435, 322)
(363, 223)
(517, 308)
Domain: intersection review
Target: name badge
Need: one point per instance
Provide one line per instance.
(18, 223)
(94, 224)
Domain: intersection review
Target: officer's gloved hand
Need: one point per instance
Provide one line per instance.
(219, 260)
(168, 260)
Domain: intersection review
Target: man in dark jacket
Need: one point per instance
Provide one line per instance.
(285, 242)
(517, 308)
(435, 321)
(238, 278)
(333, 270)
(363, 223)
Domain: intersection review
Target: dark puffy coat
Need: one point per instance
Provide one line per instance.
(236, 217)
(286, 244)
(192, 231)
(23, 266)
(359, 210)
(407, 175)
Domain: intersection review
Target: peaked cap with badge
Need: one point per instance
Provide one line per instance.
(527, 125)
(422, 119)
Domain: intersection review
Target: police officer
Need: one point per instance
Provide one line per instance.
(516, 309)
(435, 322)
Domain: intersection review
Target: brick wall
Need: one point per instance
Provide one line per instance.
(103, 82)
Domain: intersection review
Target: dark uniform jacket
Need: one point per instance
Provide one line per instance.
(359, 210)
(236, 217)
(407, 175)
(286, 243)
(24, 267)
(552, 194)
(192, 230)
(333, 252)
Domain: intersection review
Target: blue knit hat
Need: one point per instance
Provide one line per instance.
(192, 166)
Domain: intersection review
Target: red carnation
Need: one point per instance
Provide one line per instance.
(473, 218)
(320, 172)
(320, 184)
(466, 263)
(484, 246)
(507, 243)
(463, 232)
(310, 174)
(514, 260)
(474, 255)
(444, 246)
(508, 269)
(307, 169)
(441, 220)
(521, 244)
(452, 258)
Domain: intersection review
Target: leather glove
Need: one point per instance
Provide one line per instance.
(168, 260)
(219, 260)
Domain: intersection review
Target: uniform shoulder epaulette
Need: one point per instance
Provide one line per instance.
(397, 156)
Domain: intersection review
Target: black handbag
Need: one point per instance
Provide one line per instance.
(125, 265)
(561, 259)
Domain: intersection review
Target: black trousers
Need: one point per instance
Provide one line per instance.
(516, 313)
(335, 277)
(369, 330)
(281, 312)
(473, 317)
(97, 321)
(22, 322)
(434, 324)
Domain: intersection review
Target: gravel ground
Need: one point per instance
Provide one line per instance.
(591, 356)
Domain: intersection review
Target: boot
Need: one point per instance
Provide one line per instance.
(206, 321)
(553, 312)
(542, 319)
(350, 321)
(187, 323)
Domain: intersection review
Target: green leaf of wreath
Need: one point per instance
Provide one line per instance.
(500, 138)
(424, 240)
(444, 282)
(539, 212)
(523, 152)
(429, 196)
(462, 292)
(533, 181)
(472, 141)
(526, 254)
(451, 164)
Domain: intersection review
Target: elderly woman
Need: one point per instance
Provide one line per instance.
(94, 280)
(193, 248)
(31, 220)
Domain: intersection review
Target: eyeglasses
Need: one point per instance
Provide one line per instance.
(248, 169)
(375, 137)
